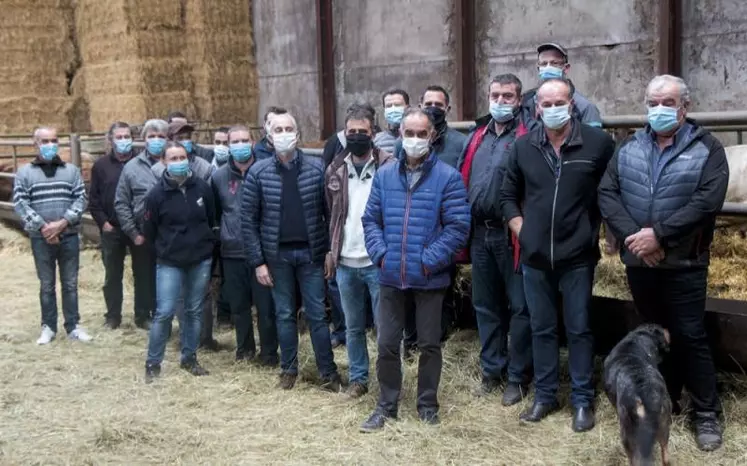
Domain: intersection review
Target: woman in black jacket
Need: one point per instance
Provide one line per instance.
(179, 222)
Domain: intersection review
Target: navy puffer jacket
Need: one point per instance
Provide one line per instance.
(414, 233)
(261, 205)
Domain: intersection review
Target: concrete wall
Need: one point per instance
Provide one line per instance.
(285, 40)
(714, 53)
(380, 46)
(612, 46)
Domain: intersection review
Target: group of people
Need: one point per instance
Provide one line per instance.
(382, 219)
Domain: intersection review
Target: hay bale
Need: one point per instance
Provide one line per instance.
(38, 54)
(727, 275)
(224, 70)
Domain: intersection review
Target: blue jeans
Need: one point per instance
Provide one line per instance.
(500, 308)
(291, 266)
(47, 257)
(337, 315)
(542, 288)
(355, 284)
(171, 284)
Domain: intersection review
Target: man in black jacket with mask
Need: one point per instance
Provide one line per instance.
(549, 200)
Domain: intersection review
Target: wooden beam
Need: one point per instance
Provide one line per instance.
(670, 37)
(326, 56)
(466, 82)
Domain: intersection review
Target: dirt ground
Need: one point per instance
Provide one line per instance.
(71, 403)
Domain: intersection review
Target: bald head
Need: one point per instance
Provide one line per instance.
(555, 89)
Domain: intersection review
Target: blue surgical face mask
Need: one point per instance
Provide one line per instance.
(241, 151)
(501, 113)
(49, 151)
(221, 154)
(662, 119)
(179, 168)
(394, 115)
(556, 117)
(155, 146)
(123, 146)
(548, 72)
(188, 145)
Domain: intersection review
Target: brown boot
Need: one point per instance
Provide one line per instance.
(287, 381)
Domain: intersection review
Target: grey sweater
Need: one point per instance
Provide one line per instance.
(40, 198)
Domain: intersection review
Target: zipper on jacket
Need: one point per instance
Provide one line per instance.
(404, 238)
(552, 217)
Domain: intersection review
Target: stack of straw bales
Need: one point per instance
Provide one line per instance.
(111, 69)
(81, 65)
(219, 39)
(38, 54)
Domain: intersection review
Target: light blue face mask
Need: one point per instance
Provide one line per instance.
(123, 146)
(188, 145)
(662, 119)
(221, 154)
(501, 113)
(180, 168)
(155, 146)
(49, 151)
(548, 72)
(556, 117)
(241, 151)
(393, 115)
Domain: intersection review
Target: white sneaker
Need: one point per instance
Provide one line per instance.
(80, 334)
(47, 335)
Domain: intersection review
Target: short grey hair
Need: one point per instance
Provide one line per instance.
(155, 125)
(236, 129)
(663, 79)
(416, 111)
(273, 121)
(42, 128)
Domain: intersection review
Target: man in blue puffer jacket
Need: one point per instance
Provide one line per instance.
(416, 219)
(283, 222)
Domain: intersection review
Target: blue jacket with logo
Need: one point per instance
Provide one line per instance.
(677, 193)
(414, 233)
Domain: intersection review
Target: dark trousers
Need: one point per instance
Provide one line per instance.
(542, 288)
(391, 323)
(242, 291)
(447, 314)
(114, 246)
(500, 308)
(47, 258)
(676, 299)
(144, 275)
(223, 308)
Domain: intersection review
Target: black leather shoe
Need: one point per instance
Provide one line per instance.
(583, 419)
(539, 411)
(513, 394)
(430, 417)
(112, 324)
(375, 422)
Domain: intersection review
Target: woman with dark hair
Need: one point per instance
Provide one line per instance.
(179, 222)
